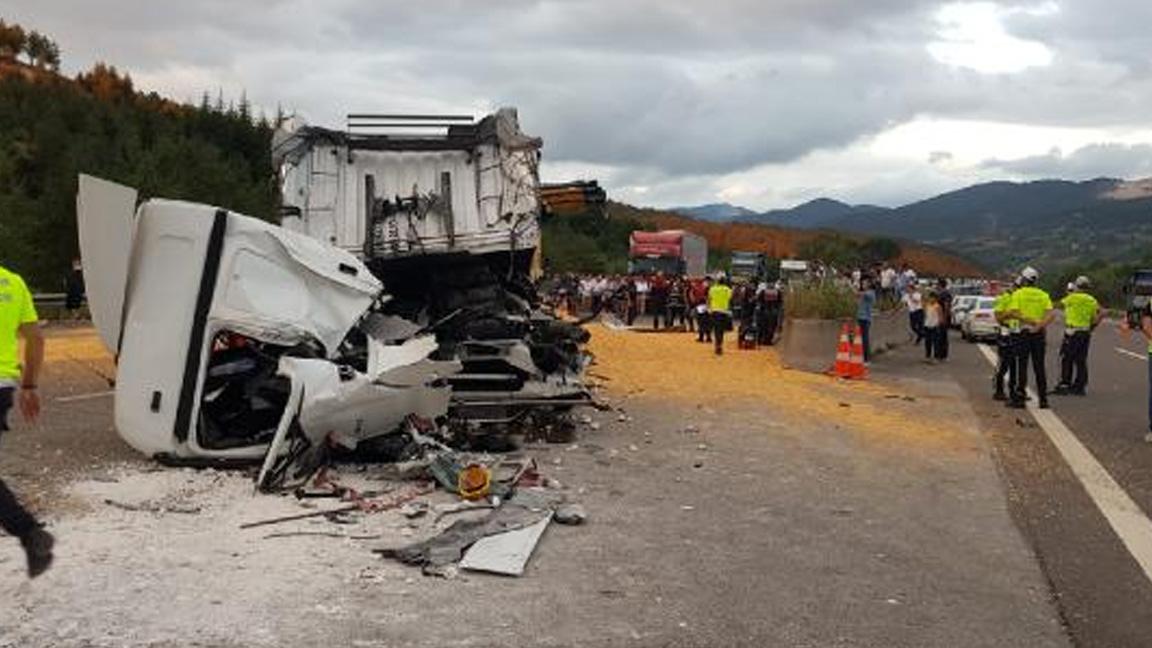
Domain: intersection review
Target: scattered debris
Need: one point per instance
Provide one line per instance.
(441, 513)
(526, 508)
(326, 534)
(154, 507)
(571, 514)
(505, 553)
(413, 510)
(368, 506)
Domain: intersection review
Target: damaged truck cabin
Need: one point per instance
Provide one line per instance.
(444, 211)
(237, 339)
(233, 335)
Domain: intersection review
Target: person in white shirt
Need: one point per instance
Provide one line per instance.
(888, 281)
(914, 302)
(642, 290)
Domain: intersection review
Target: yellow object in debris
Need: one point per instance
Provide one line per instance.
(474, 481)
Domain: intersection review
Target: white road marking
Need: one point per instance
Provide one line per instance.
(1124, 515)
(83, 397)
(1133, 354)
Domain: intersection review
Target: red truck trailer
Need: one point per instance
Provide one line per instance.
(673, 252)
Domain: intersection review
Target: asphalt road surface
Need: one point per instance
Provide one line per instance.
(1066, 506)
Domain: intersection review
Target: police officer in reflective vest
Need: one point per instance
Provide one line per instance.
(1082, 315)
(1033, 308)
(18, 386)
(1006, 344)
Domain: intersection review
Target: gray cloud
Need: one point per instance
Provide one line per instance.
(683, 91)
(1092, 161)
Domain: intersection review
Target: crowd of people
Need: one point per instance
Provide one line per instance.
(710, 306)
(928, 304)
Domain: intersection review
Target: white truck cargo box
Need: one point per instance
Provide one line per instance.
(473, 189)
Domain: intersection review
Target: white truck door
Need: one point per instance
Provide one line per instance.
(177, 256)
(105, 219)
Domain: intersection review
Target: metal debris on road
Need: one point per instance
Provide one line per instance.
(571, 514)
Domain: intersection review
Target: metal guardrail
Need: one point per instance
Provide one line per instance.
(51, 300)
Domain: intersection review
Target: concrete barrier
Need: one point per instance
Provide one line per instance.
(889, 330)
(810, 344)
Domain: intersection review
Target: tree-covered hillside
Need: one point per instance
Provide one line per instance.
(53, 128)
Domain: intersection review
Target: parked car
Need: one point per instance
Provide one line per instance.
(980, 321)
(961, 304)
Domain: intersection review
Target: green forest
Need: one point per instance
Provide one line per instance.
(53, 128)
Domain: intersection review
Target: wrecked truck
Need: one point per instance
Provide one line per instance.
(236, 339)
(444, 211)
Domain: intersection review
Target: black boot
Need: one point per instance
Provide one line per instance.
(38, 549)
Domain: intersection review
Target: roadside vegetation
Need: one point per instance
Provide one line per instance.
(1108, 279)
(53, 128)
(590, 241)
(820, 300)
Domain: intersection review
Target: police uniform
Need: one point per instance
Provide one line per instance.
(720, 312)
(16, 310)
(1006, 347)
(1080, 310)
(1032, 304)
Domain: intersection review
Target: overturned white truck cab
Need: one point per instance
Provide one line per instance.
(233, 335)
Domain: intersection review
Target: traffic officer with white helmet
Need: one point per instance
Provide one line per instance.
(1033, 308)
(1082, 315)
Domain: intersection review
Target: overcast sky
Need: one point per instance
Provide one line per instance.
(762, 103)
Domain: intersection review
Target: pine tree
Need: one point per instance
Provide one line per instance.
(12, 41)
(37, 48)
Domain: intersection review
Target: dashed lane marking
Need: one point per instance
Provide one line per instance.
(1124, 515)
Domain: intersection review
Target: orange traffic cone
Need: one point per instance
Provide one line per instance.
(857, 369)
(843, 366)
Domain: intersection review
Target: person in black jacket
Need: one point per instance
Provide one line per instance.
(74, 289)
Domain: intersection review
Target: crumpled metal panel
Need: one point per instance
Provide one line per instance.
(282, 287)
(350, 408)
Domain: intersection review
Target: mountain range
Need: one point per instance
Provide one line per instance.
(1000, 225)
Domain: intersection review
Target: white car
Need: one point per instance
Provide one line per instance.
(980, 320)
(961, 304)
